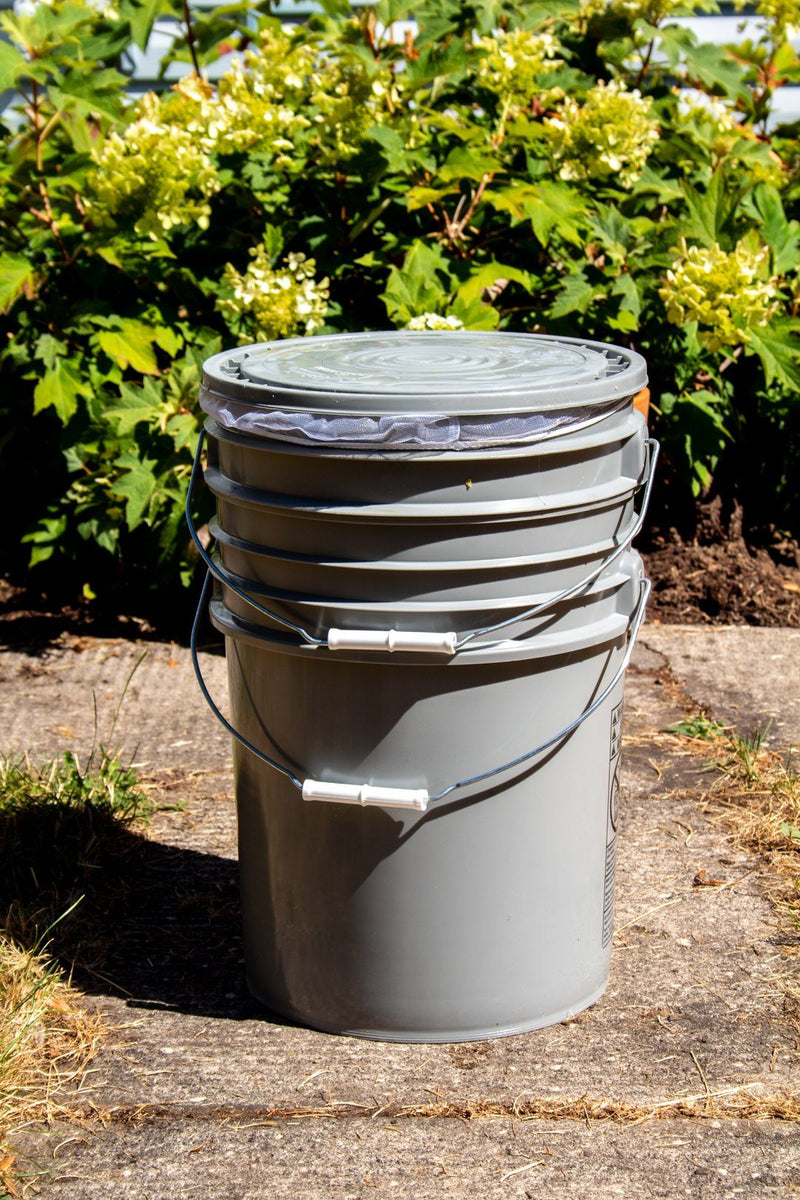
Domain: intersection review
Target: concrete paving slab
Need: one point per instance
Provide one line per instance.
(693, 1004)
(745, 677)
(48, 702)
(408, 1159)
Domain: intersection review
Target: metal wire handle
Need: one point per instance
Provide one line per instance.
(632, 633)
(456, 644)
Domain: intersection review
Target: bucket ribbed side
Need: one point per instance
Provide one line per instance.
(485, 915)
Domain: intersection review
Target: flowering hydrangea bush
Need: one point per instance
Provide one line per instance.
(154, 172)
(516, 61)
(609, 136)
(268, 303)
(725, 293)
(588, 170)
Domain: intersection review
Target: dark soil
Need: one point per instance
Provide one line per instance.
(719, 577)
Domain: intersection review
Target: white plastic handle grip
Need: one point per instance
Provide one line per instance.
(365, 793)
(391, 639)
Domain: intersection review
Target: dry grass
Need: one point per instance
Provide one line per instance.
(742, 1102)
(755, 793)
(46, 1042)
(61, 825)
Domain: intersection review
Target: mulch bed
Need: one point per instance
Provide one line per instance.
(721, 577)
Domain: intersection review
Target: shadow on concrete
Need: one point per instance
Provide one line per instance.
(155, 924)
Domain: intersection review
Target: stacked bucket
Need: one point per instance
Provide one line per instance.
(428, 597)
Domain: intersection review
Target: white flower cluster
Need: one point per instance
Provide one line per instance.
(726, 293)
(160, 171)
(276, 303)
(701, 109)
(515, 61)
(256, 104)
(348, 99)
(154, 174)
(609, 136)
(430, 320)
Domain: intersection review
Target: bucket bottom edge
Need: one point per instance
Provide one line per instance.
(417, 1036)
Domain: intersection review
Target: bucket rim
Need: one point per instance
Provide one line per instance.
(352, 374)
(586, 553)
(605, 495)
(625, 569)
(596, 635)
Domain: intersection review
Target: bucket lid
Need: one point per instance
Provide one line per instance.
(450, 372)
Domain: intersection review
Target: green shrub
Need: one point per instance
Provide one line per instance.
(514, 165)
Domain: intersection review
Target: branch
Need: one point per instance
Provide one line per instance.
(56, 117)
(455, 227)
(646, 62)
(187, 20)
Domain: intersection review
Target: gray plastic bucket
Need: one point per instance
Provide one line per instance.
(488, 914)
(428, 600)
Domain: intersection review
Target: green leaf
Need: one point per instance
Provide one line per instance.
(131, 345)
(273, 242)
(612, 230)
(557, 208)
(142, 15)
(44, 538)
(778, 347)
(136, 486)
(13, 65)
(183, 429)
(111, 255)
(136, 405)
(630, 300)
(61, 388)
(421, 197)
(168, 340)
(487, 276)
(782, 236)
(711, 211)
(16, 278)
(50, 349)
(335, 8)
(417, 287)
(514, 199)
(714, 67)
(651, 183)
(464, 163)
(576, 295)
(474, 314)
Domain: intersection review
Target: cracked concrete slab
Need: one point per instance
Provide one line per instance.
(745, 677)
(693, 1006)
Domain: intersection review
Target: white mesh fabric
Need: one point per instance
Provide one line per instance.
(415, 431)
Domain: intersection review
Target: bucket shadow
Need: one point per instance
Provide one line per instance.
(157, 925)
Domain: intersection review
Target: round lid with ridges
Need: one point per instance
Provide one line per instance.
(451, 372)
